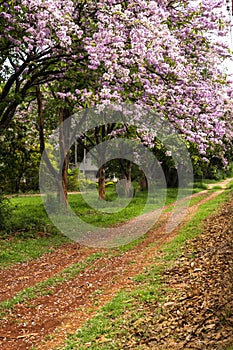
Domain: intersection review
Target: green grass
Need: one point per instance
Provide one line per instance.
(193, 227)
(200, 185)
(112, 322)
(217, 187)
(29, 214)
(95, 215)
(230, 185)
(190, 202)
(209, 181)
(32, 233)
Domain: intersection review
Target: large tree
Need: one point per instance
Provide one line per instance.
(152, 53)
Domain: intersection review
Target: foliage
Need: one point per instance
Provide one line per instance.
(110, 184)
(78, 182)
(5, 213)
(19, 158)
(166, 60)
(72, 181)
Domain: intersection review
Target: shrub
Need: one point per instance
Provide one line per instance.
(76, 181)
(5, 213)
(72, 180)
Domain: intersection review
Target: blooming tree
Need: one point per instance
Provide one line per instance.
(36, 38)
(159, 54)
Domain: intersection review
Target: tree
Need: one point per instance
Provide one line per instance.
(156, 54)
(35, 48)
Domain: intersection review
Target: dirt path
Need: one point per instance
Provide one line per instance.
(74, 301)
(222, 184)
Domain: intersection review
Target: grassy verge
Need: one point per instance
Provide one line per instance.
(191, 202)
(113, 321)
(230, 185)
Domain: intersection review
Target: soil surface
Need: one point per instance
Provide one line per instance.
(69, 304)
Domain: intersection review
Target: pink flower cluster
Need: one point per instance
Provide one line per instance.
(165, 57)
(44, 23)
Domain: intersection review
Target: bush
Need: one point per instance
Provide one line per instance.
(5, 213)
(72, 180)
(76, 181)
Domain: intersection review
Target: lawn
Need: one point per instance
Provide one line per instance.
(30, 233)
(29, 215)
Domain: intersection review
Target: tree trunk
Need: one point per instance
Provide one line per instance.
(102, 157)
(126, 176)
(40, 118)
(61, 181)
(143, 183)
(171, 175)
(101, 182)
(129, 180)
(64, 154)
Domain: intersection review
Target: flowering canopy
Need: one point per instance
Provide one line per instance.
(153, 53)
(159, 55)
(36, 38)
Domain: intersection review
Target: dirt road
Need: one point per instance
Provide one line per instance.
(64, 306)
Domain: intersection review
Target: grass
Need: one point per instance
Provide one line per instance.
(29, 214)
(112, 322)
(32, 233)
(217, 187)
(230, 185)
(190, 202)
(209, 181)
(201, 185)
(108, 213)
(193, 227)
